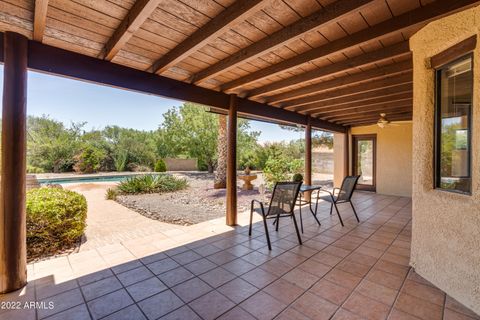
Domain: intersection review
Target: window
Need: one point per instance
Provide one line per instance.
(453, 126)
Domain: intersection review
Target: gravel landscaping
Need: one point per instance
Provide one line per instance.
(198, 203)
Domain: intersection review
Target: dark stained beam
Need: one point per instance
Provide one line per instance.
(384, 107)
(141, 10)
(40, 19)
(421, 15)
(13, 223)
(356, 98)
(328, 15)
(52, 60)
(237, 12)
(454, 52)
(348, 91)
(404, 67)
(231, 213)
(380, 55)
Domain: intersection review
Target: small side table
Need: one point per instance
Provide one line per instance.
(308, 188)
(247, 180)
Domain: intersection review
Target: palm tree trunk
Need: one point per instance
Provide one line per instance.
(221, 173)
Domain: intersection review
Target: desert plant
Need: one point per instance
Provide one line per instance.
(55, 220)
(160, 166)
(120, 160)
(111, 194)
(297, 177)
(152, 184)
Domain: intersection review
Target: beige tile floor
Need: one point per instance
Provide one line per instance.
(211, 271)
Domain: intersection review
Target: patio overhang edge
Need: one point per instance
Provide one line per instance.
(56, 61)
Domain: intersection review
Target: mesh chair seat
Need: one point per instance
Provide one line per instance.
(282, 204)
(328, 198)
(343, 195)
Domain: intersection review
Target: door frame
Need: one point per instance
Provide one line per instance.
(373, 138)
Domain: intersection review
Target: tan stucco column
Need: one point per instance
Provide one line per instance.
(340, 155)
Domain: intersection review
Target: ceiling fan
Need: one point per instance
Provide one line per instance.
(383, 121)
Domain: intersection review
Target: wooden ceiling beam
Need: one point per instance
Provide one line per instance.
(141, 10)
(373, 115)
(373, 86)
(332, 13)
(356, 98)
(384, 54)
(401, 98)
(356, 112)
(40, 19)
(371, 120)
(397, 69)
(421, 15)
(56, 61)
(237, 12)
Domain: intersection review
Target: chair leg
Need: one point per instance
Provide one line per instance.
(338, 213)
(355, 212)
(266, 233)
(251, 220)
(301, 221)
(296, 228)
(331, 207)
(277, 220)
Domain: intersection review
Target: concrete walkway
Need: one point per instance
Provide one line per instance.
(110, 223)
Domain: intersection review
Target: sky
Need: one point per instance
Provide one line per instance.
(70, 101)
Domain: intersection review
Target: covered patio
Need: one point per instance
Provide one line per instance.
(326, 65)
(359, 271)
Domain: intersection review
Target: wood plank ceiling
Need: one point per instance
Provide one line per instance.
(344, 61)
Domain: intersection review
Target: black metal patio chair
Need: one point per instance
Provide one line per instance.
(343, 195)
(282, 204)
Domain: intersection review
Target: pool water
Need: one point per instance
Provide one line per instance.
(103, 178)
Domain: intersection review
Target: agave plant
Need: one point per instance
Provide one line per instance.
(152, 184)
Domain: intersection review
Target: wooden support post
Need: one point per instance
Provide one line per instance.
(347, 153)
(13, 244)
(308, 157)
(232, 162)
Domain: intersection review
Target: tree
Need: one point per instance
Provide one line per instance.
(221, 173)
(50, 145)
(192, 131)
(319, 137)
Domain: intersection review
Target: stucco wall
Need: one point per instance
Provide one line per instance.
(176, 164)
(394, 157)
(446, 226)
(338, 159)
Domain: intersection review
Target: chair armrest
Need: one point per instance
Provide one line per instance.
(335, 189)
(323, 190)
(261, 206)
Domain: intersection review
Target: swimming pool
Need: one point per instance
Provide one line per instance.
(80, 179)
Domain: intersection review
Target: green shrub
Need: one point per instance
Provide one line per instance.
(111, 194)
(32, 169)
(275, 170)
(296, 166)
(55, 220)
(160, 166)
(152, 184)
(297, 177)
(89, 160)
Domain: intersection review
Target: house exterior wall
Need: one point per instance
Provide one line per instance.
(394, 157)
(446, 226)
